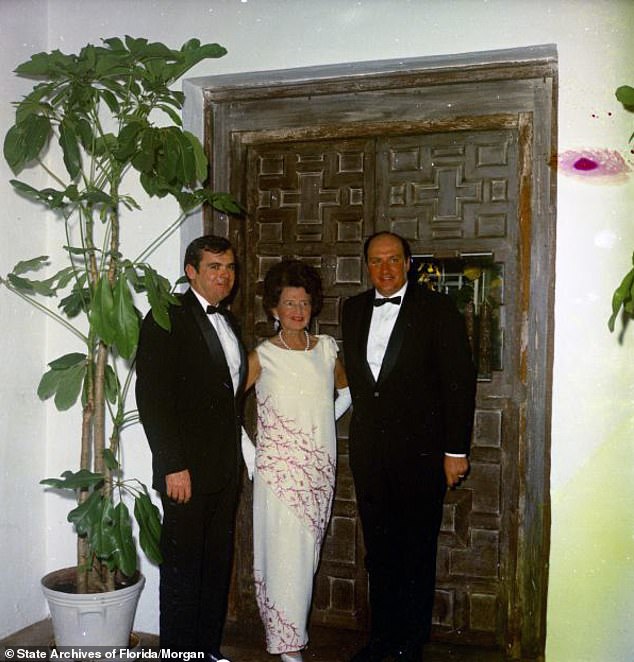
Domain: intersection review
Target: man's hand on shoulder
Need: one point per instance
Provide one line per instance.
(456, 469)
(179, 486)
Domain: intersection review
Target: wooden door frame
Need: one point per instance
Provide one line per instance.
(521, 81)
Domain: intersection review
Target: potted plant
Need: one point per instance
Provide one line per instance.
(91, 123)
(623, 297)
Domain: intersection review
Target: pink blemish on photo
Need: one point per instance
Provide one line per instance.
(595, 163)
(585, 164)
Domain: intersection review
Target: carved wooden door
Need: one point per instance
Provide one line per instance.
(454, 154)
(453, 194)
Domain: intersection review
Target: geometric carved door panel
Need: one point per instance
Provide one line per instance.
(450, 192)
(452, 185)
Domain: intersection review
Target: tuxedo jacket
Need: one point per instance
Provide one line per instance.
(186, 399)
(422, 404)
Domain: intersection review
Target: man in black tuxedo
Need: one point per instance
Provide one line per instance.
(412, 380)
(189, 384)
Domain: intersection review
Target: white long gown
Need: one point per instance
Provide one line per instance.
(293, 484)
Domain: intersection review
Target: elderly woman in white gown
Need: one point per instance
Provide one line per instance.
(296, 375)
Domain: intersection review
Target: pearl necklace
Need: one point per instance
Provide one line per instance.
(280, 334)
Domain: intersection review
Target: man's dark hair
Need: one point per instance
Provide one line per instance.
(208, 242)
(291, 273)
(407, 251)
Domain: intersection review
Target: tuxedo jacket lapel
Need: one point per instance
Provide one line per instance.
(363, 336)
(244, 364)
(209, 334)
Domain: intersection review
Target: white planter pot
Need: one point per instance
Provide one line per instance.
(92, 619)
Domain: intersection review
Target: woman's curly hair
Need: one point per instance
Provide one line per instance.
(291, 273)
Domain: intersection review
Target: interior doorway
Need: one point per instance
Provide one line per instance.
(453, 153)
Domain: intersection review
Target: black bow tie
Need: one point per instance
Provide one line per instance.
(212, 310)
(381, 301)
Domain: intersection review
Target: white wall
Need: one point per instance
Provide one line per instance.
(592, 410)
(23, 533)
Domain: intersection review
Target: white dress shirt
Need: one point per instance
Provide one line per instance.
(227, 339)
(381, 327)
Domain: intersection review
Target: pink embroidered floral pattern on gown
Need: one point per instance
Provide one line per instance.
(293, 484)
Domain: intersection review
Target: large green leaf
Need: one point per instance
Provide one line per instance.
(188, 173)
(111, 385)
(151, 185)
(202, 164)
(105, 143)
(85, 133)
(47, 287)
(67, 361)
(204, 52)
(64, 380)
(96, 196)
(69, 387)
(187, 200)
(40, 65)
(102, 311)
(625, 94)
(69, 142)
(115, 44)
(30, 265)
(34, 103)
(37, 129)
(223, 202)
(100, 536)
(25, 140)
(32, 286)
(49, 383)
(621, 296)
(51, 197)
(159, 296)
(109, 533)
(82, 479)
(78, 301)
(124, 549)
(112, 64)
(86, 515)
(144, 159)
(128, 139)
(15, 149)
(168, 157)
(20, 284)
(148, 517)
(125, 319)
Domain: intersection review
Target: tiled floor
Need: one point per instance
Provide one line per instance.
(327, 645)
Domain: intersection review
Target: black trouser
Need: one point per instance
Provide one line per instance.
(197, 548)
(401, 520)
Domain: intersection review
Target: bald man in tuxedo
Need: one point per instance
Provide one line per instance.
(412, 380)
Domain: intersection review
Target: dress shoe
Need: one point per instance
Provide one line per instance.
(410, 652)
(291, 657)
(374, 651)
(217, 656)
